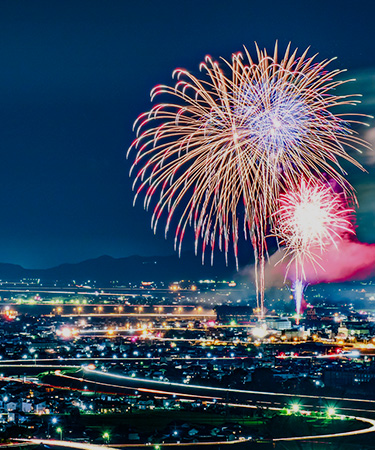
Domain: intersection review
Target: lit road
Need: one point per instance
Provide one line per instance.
(78, 362)
(364, 420)
(207, 314)
(98, 381)
(85, 290)
(85, 446)
(67, 444)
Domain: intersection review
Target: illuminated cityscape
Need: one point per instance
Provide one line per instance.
(200, 369)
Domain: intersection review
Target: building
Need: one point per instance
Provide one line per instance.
(279, 323)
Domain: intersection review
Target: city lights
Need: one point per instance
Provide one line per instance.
(295, 407)
(331, 411)
(259, 332)
(59, 430)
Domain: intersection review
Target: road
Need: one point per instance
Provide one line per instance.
(98, 381)
(85, 446)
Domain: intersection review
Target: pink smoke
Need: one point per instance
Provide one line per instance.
(349, 260)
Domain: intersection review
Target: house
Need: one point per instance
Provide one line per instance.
(146, 404)
(133, 436)
(26, 407)
(193, 432)
(40, 408)
(11, 406)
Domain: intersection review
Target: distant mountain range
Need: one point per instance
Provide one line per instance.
(130, 269)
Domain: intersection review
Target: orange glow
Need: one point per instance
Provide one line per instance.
(10, 314)
(66, 333)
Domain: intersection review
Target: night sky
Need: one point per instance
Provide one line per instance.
(74, 76)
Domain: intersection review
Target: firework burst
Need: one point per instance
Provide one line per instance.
(221, 151)
(310, 220)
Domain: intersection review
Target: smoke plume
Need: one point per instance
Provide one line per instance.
(349, 260)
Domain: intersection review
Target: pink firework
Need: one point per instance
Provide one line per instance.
(311, 219)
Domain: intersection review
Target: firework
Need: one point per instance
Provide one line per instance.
(221, 151)
(310, 220)
(298, 287)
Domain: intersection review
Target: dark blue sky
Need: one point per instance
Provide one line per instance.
(75, 74)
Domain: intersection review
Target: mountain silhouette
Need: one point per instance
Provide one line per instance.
(106, 269)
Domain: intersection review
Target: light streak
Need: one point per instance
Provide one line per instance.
(297, 288)
(146, 314)
(335, 435)
(101, 447)
(69, 444)
(332, 435)
(321, 436)
(219, 389)
(85, 446)
(155, 391)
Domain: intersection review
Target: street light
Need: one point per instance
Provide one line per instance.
(106, 437)
(295, 407)
(54, 422)
(331, 412)
(59, 430)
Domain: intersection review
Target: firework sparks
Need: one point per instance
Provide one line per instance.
(222, 151)
(311, 219)
(298, 287)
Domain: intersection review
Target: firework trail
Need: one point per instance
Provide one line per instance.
(310, 220)
(222, 150)
(298, 287)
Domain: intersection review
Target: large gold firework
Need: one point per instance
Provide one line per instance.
(226, 146)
